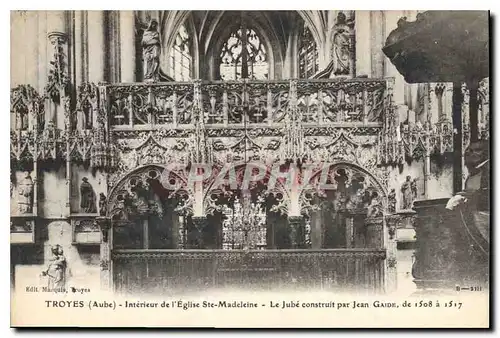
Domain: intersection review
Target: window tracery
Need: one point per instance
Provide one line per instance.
(231, 61)
(180, 62)
(308, 54)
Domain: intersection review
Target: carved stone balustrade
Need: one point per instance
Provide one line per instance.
(199, 115)
(223, 103)
(416, 141)
(420, 140)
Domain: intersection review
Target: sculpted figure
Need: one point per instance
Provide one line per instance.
(25, 201)
(341, 45)
(87, 197)
(414, 190)
(102, 204)
(56, 270)
(374, 209)
(151, 49)
(406, 190)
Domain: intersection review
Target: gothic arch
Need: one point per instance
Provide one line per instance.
(278, 189)
(210, 21)
(221, 31)
(356, 167)
(142, 173)
(171, 35)
(370, 183)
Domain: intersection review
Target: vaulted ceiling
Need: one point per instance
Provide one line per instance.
(277, 23)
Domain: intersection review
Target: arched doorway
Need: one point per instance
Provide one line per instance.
(340, 204)
(146, 217)
(248, 238)
(247, 215)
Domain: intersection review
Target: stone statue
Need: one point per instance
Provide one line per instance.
(392, 201)
(56, 270)
(151, 49)
(374, 209)
(139, 202)
(25, 201)
(102, 204)
(87, 197)
(84, 116)
(414, 190)
(22, 120)
(341, 46)
(406, 190)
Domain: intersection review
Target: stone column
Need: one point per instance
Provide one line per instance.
(57, 78)
(363, 52)
(43, 58)
(391, 23)
(391, 225)
(296, 228)
(316, 229)
(377, 38)
(374, 232)
(17, 32)
(199, 223)
(473, 110)
(31, 48)
(104, 224)
(96, 40)
(349, 231)
(127, 46)
(78, 47)
(457, 137)
(56, 21)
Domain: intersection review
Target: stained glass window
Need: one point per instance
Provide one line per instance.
(308, 54)
(231, 61)
(180, 56)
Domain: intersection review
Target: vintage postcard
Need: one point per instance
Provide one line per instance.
(291, 169)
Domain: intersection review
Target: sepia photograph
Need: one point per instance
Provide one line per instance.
(250, 168)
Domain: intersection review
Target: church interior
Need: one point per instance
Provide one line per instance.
(103, 101)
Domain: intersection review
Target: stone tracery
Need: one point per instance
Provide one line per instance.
(119, 127)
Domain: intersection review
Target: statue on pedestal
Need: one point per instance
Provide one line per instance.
(341, 46)
(407, 194)
(25, 201)
(87, 197)
(151, 49)
(102, 204)
(56, 270)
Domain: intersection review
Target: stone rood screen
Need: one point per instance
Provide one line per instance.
(260, 102)
(168, 166)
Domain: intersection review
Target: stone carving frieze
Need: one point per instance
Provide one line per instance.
(154, 149)
(263, 149)
(85, 225)
(360, 151)
(335, 130)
